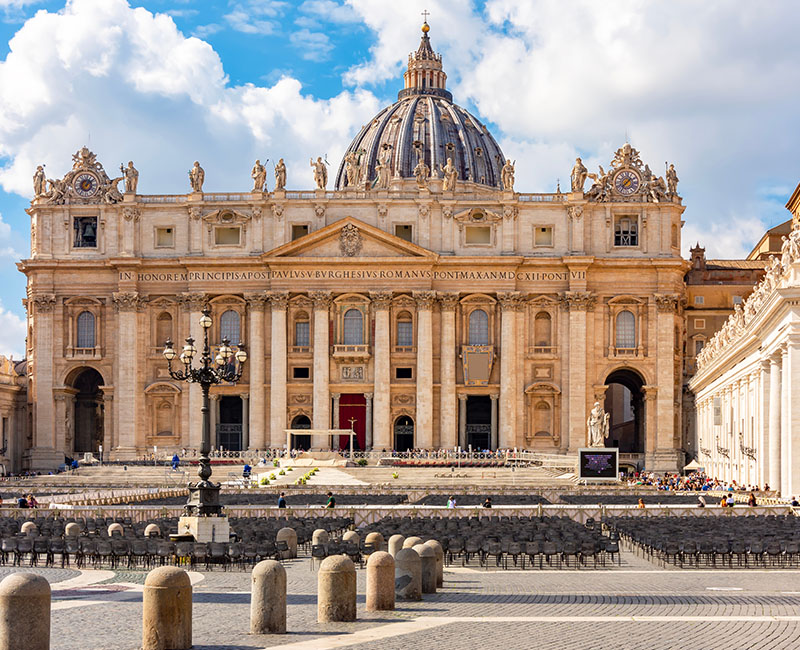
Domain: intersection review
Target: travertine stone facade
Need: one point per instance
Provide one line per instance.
(422, 313)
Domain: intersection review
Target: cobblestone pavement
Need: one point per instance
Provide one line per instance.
(633, 606)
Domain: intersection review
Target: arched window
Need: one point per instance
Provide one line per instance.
(626, 330)
(302, 330)
(542, 330)
(163, 328)
(479, 328)
(405, 330)
(85, 330)
(229, 327)
(353, 327)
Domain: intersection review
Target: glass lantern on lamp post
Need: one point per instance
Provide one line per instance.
(204, 495)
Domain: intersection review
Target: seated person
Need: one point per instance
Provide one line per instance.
(246, 471)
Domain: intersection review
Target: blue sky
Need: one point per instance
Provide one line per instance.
(712, 87)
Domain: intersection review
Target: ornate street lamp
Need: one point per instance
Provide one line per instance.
(204, 495)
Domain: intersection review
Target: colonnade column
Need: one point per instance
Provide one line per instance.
(245, 422)
(577, 303)
(763, 441)
(462, 421)
(322, 398)
(508, 371)
(368, 425)
(127, 304)
(255, 355)
(493, 443)
(277, 372)
(192, 303)
(792, 440)
(381, 414)
(423, 427)
(336, 396)
(785, 430)
(447, 372)
(108, 421)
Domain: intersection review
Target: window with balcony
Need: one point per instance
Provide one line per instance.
(86, 330)
(478, 328)
(626, 330)
(626, 232)
(229, 327)
(353, 333)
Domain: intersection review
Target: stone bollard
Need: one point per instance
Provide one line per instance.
(167, 610)
(115, 527)
(289, 536)
(380, 582)
(352, 537)
(407, 575)
(152, 530)
(411, 542)
(336, 590)
(437, 547)
(427, 557)
(268, 598)
(395, 544)
(24, 612)
(376, 540)
(29, 528)
(72, 530)
(320, 536)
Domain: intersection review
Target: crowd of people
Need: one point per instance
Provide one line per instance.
(694, 482)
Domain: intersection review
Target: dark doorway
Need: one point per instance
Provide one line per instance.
(479, 422)
(403, 433)
(353, 414)
(229, 427)
(300, 441)
(625, 405)
(88, 416)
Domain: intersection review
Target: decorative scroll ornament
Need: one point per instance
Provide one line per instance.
(350, 241)
(86, 182)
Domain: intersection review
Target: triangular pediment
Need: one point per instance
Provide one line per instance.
(350, 238)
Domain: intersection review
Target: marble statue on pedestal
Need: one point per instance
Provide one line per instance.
(597, 424)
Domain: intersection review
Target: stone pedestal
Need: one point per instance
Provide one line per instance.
(206, 529)
(42, 459)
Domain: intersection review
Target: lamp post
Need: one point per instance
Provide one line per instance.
(204, 495)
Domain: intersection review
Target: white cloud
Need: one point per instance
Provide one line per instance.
(313, 46)
(329, 11)
(253, 17)
(12, 343)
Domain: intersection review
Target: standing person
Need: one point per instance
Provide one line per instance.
(730, 501)
(488, 502)
(176, 461)
(22, 502)
(701, 501)
(641, 503)
(331, 503)
(32, 502)
(282, 501)
(451, 503)
(751, 500)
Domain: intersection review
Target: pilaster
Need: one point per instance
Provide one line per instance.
(447, 369)
(277, 382)
(321, 301)
(423, 426)
(381, 416)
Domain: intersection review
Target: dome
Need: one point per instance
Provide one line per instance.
(424, 124)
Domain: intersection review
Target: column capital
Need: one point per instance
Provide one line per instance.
(380, 299)
(424, 299)
(509, 300)
(192, 301)
(667, 302)
(43, 303)
(650, 392)
(278, 299)
(336, 395)
(129, 301)
(494, 396)
(448, 301)
(257, 301)
(321, 299)
(462, 397)
(245, 397)
(577, 300)
(368, 396)
(214, 396)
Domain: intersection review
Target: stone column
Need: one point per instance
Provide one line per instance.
(793, 415)
(381, 424)
(577, 303)
(256, 361)
(368, 432)
(762, 432)
(108, 420)
(447, 371)
(213, 419)
(651, 419)
(322, 397)
(785, 431)
(192, 303)
(665, 458)
(508, 371)
(336, 397)
(126, 304)
(245, 422)
(424, 421)
(462, 421)
(277, 374)
(494, 437)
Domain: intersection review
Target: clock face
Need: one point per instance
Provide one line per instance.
(626, 182)
(85, 184)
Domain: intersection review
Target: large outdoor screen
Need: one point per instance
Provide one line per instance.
(598, 463)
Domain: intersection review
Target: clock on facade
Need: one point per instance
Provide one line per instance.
(85, 184)
(626, 182)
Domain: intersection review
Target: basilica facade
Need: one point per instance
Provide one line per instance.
(423, 302)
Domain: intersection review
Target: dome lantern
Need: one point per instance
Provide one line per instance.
(424, 75)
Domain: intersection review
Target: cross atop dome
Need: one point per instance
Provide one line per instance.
(424, 75)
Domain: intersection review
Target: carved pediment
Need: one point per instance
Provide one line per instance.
(477, 216)
(225, 217)
(350, 238)
(542, 388)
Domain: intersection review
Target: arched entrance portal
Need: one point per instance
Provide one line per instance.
(88, 414)
(625, 404)
(301, 441)
(403, 433)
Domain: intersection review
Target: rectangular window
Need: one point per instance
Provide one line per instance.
(85, 232)
(543, 236)
(299, 231)
(301, 372)
(403, 373)
(737, 300)
(227, 236)
(699, 323)
(699, 300)
(626, 232)
(165, 238)
(698, 346)
(478, 235)
(301, 334)
(403, 232)
(405, 333)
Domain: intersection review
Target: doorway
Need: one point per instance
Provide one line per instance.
(353, 414)
(479, 422)
(624, 403)
(88, 413)
(403, 433)
(301, 441)
(229, 428)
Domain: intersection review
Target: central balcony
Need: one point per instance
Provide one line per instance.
(351, 352)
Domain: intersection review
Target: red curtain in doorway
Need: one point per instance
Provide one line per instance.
(353, 406)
